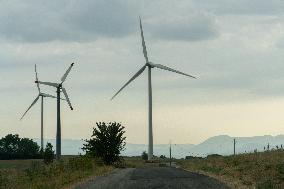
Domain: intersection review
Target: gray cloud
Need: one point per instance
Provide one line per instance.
(65, 20)
(194, 27)
(248, 7)
(81, 21)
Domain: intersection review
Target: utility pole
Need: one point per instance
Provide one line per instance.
(170, 153)
(234, 146)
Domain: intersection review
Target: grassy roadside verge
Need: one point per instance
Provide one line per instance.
(35, 174)
(262, 170)
(133, 162)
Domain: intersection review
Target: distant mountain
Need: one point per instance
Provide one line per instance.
(178, 150)
(222, 144)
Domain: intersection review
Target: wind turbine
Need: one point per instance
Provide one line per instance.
(40, 95)
(59, 87)
(150, 65)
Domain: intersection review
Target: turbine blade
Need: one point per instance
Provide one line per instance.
(133, 77)
(170, 69)
(143, 42)
(35, 100)
(38, 88)
(47, 95)
(67, 98)
(47, 83)
(66, 73)
(51, 96)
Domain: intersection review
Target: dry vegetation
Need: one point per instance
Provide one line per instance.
(34, 174)
(263, 170)
(133, 162)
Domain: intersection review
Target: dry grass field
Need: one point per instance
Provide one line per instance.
(35, 174)
(262, 170)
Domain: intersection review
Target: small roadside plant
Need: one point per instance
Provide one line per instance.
(144, 155)
(48, 154)
(107, 141)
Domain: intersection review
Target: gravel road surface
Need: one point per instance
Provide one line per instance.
(152, 178)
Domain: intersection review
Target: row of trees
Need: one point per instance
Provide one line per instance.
(14, 147)
(106, 142)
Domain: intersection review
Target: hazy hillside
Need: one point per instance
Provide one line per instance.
(178, 150)
(68, 146)
(222, 144)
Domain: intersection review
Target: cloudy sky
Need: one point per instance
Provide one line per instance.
(235, 48)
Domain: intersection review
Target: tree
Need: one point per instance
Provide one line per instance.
(28, 148)
(14, 147)
(162, 156)
(48, 154)
(106, 142)
(144, 155)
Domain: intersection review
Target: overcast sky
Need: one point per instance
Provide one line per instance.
(235, 48)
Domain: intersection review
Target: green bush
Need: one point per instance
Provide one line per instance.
(81, 163)
(268, 184)
(212, 169)
(34, 170)
(48, 154)
(107, 141)
(3, 179)
(144, 155)
(280, 168)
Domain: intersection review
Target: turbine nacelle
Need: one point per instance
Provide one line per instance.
(150, 64)
(59, 86)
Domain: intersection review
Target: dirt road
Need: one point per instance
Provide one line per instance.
(153, 177)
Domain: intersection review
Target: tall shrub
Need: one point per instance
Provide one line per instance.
(107, 141)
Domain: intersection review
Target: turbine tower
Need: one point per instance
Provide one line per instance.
(59, 87)
(150, 65)
(40, 95)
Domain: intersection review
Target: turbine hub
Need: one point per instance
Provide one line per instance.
(149, 65)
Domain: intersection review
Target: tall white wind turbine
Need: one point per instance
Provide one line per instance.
(150, 65)
(59, 87)
(40, 95)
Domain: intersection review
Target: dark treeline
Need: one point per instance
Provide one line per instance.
(14, 147)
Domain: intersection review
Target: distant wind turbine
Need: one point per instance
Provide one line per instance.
(150, 65)
(42, 95)
(59, 87)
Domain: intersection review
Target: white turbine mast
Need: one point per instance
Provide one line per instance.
(150, 65)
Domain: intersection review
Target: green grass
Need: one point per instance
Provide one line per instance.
(34, 174)
(15, 164)
(260, 170)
